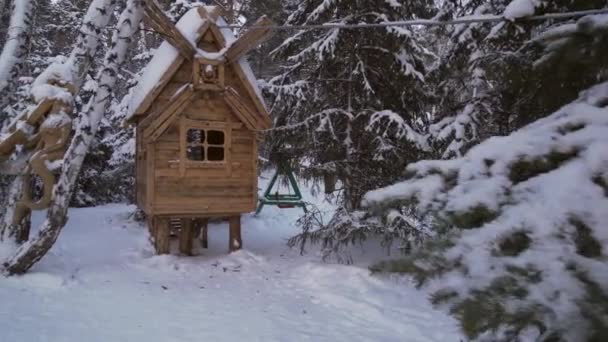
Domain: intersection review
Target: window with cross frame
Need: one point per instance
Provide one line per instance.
(206, 145)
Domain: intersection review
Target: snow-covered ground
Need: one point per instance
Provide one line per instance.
(102, 282)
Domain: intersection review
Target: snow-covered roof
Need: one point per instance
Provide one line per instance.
(189, 25)
(164, 56)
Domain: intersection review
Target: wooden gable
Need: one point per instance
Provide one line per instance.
(239, 94)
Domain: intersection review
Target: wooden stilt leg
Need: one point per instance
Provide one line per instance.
(161, 240)
(185, 237)
(234, 240)
(204, 239)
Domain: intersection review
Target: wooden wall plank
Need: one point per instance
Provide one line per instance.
(150, 177)
(202, 209)
(211, 174)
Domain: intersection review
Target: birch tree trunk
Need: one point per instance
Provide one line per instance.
(85, 128)
(81, 57)
(15, 48)
(10, 233)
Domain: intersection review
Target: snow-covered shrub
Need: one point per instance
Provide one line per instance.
(528, 255)
(400, 230)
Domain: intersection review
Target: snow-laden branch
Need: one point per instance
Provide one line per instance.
(387, 123)
(320, 120)
(520, 9)
(459, 130)
(321, 9)
(288, 43)
(323, 47)
(531, 208)
(561, 37)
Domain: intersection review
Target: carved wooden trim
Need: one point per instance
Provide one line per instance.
(250, 39)
(245, 113)
(162, 121)
(215, 82)
(158, 20)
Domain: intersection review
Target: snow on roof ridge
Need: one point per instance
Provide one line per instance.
(189, 25)
(164, 56)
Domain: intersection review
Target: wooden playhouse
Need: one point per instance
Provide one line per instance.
(197, 110)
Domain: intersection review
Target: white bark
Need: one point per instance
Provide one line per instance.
(86, 127)
(15, 47)
(8, 232)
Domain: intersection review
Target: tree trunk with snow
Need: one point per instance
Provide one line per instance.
(88, 42)
(9, 231)
(15, 48)
(86, 127)
(80, 59)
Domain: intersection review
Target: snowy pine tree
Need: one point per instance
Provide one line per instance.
(520, 246)
(350, 103)
(487, 83)
(350, 98)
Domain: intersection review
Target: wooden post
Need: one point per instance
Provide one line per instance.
(186, 236)
(234, 238)
(161, 232)
(204, 222)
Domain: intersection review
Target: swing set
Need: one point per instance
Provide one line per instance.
(283, 201)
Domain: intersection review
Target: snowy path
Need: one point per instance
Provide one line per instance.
(101, 282)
